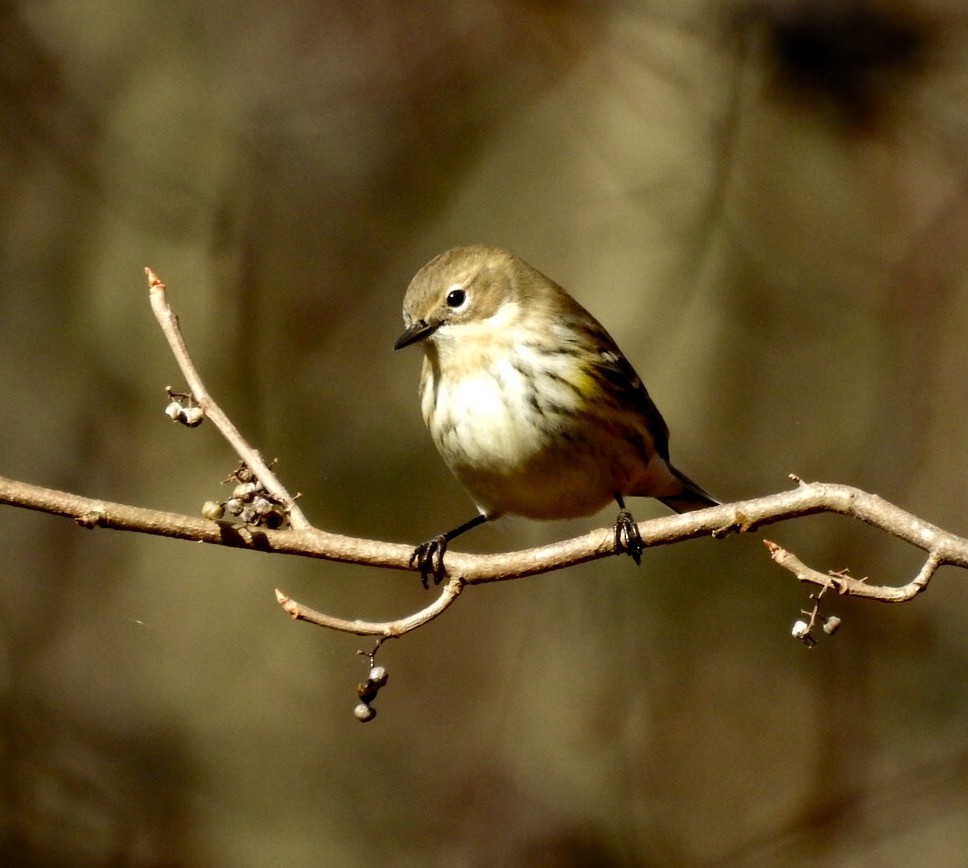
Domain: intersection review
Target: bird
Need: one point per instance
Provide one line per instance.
(530, 402)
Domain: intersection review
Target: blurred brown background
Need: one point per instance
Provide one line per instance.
(764, 202)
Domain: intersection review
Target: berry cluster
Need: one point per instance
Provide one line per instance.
(803, 630)
(250, 502)
(367, 691)
(184, 408)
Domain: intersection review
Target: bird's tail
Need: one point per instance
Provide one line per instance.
(691, 497)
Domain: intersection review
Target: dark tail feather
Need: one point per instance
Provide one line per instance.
(691, 497)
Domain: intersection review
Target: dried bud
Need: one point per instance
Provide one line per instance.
(367, 690)
(831, 625)
(192, 416)
(174, 411)
(243, 474)
(801, 629)
(261, 506)
(378, 675)
(212, 510)
(234, 506)
(364, 712)
(244, 490)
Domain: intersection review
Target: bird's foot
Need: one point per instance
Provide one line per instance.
(627, 537)
(429, 558)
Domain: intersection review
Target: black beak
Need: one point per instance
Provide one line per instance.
(416, 332)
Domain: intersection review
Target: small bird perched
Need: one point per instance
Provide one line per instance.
(532, 405)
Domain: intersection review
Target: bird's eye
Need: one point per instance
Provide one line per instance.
(456, 298)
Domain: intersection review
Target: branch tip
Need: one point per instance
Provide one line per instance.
(154, 281)
(290, 606)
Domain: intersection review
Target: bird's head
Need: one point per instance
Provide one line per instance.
(460, 293)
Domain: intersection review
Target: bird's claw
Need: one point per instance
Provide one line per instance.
(627, 537)
(429, 558)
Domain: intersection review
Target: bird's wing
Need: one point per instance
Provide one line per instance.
(626, 387)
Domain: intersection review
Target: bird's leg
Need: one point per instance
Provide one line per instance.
(627, 537)
(429, 556)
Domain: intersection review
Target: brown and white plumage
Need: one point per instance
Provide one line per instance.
(528, 399)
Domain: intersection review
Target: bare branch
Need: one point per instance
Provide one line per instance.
(387, 630)
(305, 540)
(473, 569)
(313, 543)
(848, 585)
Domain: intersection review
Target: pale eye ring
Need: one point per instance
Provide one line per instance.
(456, 298)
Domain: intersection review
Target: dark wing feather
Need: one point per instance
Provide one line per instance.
(619, 379)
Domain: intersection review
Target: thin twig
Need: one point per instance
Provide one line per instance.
(157, 292)
(850, 586)
(388, 629)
